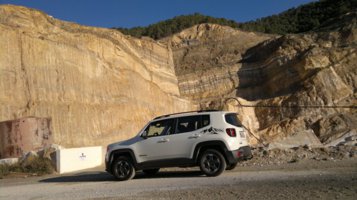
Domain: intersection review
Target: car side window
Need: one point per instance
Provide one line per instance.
(192, 123)
(163, 127)
(205, 120)
(232, 119)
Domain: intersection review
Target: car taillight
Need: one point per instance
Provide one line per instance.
(231, 132)
(239, 154)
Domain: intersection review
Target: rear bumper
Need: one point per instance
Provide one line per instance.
(243, 153)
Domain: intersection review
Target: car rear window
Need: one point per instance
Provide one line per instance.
(192, 123)
(232, 119)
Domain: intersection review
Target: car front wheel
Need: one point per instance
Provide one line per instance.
(123, 169)
(212, 163)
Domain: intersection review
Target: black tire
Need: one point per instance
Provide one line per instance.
(212, 163)
(123, 169)
(151, 172)
(231, 166)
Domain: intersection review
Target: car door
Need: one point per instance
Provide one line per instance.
(180, 143)
(155, 144)
(189, 132)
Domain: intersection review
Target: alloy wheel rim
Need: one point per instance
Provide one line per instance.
(211, 163)
(123, 168)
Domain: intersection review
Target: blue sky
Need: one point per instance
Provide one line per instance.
(130, 13)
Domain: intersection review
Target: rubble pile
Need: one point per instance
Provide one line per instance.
(263, 156)
(33, 163)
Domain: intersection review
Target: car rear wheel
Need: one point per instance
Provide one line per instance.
(123, 169)
(212, 163)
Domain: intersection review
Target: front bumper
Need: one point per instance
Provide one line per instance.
(107, 164)
(107, 167)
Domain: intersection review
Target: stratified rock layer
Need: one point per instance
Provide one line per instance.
(207, 59)
(290, 78)
(97, 85)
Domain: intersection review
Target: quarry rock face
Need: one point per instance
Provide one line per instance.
(207, 59)
(290, 84)
(97, 85)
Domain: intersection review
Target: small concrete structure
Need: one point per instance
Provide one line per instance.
(75, 159)
(23, 135)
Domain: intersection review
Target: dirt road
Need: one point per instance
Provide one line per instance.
(303, 180)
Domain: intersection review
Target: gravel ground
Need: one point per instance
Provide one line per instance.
(305, 179)
(264, 157)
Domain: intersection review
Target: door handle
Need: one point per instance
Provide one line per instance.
(163, 140)
(194, 136)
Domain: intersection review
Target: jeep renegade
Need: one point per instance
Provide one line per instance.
(212, 140)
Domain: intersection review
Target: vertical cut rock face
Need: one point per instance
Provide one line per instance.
(97, 85)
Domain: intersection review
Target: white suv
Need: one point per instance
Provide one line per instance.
(212, 140)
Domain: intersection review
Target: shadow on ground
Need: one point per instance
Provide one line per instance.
(104, 176)
(169, 174)
(81, 177)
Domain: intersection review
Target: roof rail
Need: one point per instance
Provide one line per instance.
(197, 111)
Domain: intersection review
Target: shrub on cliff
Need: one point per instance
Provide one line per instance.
(296, 20)
(175, 25)
(301, 19)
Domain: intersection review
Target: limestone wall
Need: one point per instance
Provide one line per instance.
(97, 85)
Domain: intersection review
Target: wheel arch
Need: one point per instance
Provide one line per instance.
(216, 145)
(121, 152)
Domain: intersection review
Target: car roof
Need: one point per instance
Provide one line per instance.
(190, 113)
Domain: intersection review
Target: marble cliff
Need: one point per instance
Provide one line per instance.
(98, 85)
